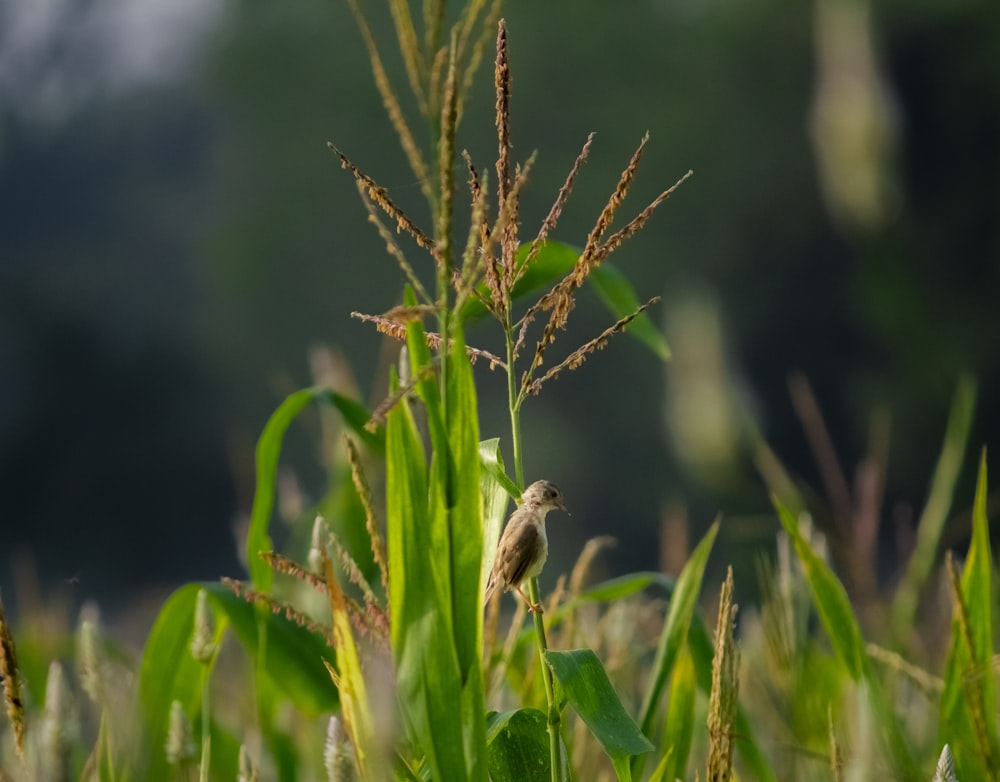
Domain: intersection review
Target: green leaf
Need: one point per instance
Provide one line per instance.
(437, 627)
(623, 586)
(585, 683)
(679, 726)
(554, 261)
(465, 530)
(268, 455)
(837, 616)
(939, 502)
(619, 297)
(293, 662)
(660, 772)
(293, 657)
(465, 515)
(225, 752)
(969, 683)
(491, 463)
(674, 633)
(675, 629)
(518, 746)
(831, 599)
(168, 672)
(496, 489)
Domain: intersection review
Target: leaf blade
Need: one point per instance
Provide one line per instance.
(586, 685)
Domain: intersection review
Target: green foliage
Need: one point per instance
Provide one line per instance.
(433, 518)
(844, 632)
(675, 629)
(268, 454)
(678, 728)
(446, 496)
(586, 686)
(290, 660)
(518, 748)
(831, 599)
(939, 500)
(555, 260)
(968, 704)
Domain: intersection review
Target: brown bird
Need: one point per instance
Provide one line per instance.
(524, 547)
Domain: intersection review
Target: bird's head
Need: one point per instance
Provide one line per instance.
(543, 494)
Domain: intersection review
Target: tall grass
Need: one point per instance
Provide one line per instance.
(373, 659)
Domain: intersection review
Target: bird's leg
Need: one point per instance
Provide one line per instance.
(533, 607)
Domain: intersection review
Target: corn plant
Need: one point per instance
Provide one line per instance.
(385, 631)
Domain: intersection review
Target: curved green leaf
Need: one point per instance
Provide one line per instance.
(293, 662)
(553, 261)
(619, 297)
(293, 657)
(168, 672)
(268, 454)
(586, 685)
(831, 599)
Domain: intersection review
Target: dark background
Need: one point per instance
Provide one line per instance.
(175, 239)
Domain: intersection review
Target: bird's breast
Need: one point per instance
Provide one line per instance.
(543, 552)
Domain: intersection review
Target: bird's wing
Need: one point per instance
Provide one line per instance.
(524, 540)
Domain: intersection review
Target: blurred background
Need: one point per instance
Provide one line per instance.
(179, 251)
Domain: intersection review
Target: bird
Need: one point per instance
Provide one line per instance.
(524, 547)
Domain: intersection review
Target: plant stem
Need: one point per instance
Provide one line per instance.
(513, 403)
(553, 718)
(206, 733)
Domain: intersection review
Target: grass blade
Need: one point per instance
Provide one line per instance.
(939, 500)
(679, 727)
(675, 629)
(842, 627)
(830, 597)
(968, 705)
